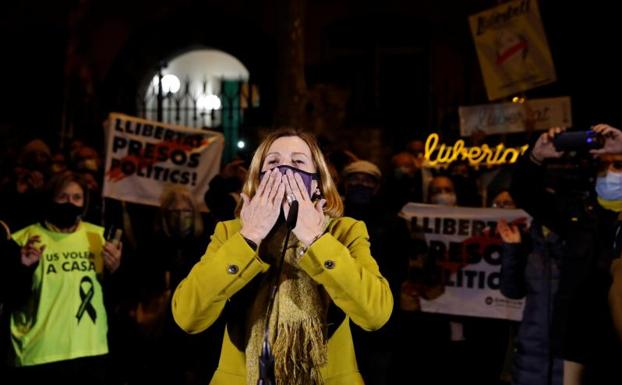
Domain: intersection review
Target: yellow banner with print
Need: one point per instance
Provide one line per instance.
(64, 318)
(512, 48)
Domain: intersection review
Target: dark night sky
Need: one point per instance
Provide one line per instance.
(584, 39)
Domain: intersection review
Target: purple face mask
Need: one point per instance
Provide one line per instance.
(307, 177)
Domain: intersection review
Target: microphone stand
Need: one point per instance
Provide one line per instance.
(266, 359)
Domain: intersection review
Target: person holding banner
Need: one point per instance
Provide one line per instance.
(328, 275)
(530, 269)
(59, 332)
(588, 223)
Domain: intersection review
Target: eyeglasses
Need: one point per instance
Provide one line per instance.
(503, 205)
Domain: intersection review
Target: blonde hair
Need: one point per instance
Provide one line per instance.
(175, 194)
(334, 204)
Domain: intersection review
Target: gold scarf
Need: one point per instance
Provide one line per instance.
(297, 321)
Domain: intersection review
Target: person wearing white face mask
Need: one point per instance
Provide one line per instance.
(441, 191)
(589, 226)
(609, 183)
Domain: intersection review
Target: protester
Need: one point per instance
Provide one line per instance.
(407, 183)
(157, 349)
(20, 194)
(223, 194)
(59, 332)
(587, 221)
(530, 270)
(362, 185)
(87, 162)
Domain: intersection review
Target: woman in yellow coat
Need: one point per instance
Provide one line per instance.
(328, 276)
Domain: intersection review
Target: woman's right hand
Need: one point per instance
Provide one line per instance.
(613, 140)
(260, 213)
(509, 233)
(544, 147)
(30, 254)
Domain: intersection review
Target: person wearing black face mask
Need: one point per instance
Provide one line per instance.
(362, 182)
(289, 276)
(64, 337)
(361, 185)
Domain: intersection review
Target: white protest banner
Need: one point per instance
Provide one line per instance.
(512, 48)
(458, 271)
(501, 118)
(144, 158)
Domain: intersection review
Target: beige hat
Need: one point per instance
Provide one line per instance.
(37, 145)
(364, 167)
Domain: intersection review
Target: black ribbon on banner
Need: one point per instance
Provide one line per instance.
(86, 297)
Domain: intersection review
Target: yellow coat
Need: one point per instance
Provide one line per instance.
(340, 261)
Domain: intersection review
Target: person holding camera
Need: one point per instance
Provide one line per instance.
(589, 227)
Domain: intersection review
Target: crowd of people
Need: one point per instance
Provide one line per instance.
(95, 290)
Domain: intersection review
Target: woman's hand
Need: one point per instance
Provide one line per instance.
(112, 255)
(613, 140)
(544, 148)
(509, 233)
(259, 214)
(310, 221)
(30, 254)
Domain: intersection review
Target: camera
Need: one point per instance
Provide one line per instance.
(578, 141)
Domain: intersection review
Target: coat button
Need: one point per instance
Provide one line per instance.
(233, 269)
(329, 264)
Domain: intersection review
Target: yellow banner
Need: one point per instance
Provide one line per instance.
(512, 48)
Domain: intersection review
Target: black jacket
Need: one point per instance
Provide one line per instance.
(581, 322)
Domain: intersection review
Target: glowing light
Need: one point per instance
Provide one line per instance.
(170, 83)
(241, 144)
(519, 100)
(440, 155)
(208, 102)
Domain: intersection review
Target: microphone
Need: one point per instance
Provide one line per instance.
(266, 359)
(292, 216)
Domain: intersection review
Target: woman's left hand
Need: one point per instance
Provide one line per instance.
(310, 222)
(112, 255)
(509, 233)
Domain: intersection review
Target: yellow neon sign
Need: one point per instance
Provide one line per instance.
(480, 155)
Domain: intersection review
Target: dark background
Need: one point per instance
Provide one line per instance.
(403, 66)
